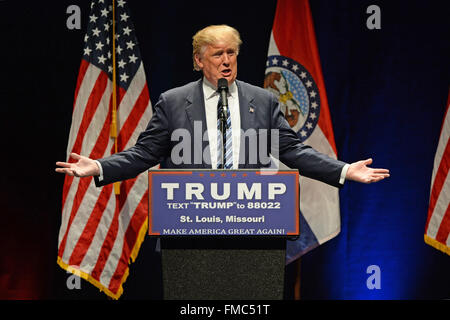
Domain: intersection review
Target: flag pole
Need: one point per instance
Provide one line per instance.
(113, 132)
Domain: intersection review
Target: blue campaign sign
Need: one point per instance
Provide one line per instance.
(223, 202)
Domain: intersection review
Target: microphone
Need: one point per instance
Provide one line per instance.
(222, 87)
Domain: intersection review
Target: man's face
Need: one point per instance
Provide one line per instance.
(218, 61)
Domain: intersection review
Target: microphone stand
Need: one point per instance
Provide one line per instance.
(222, 115)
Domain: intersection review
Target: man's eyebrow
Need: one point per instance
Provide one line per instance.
(218, 51)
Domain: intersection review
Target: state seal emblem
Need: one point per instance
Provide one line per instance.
(297, 93)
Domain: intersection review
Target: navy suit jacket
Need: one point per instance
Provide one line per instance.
(184, 108)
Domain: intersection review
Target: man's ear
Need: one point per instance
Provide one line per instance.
(198, 60)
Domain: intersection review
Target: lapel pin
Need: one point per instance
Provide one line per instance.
(251, 110)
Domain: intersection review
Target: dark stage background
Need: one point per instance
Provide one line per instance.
(387, 92)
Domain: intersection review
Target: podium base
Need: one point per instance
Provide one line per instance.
(223, 269)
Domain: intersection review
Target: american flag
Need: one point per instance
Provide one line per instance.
(437, 227)
(101, 231)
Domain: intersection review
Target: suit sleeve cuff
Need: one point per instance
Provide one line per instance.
(100, 177)
(344, 173)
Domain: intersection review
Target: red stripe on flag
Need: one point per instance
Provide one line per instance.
(439, 181)
(135, 115)
(291, 36)
(293, 32)
(66, 187)
(81, 190)
(135, 224)
(87, 236)
(91, 107)
(444, 228)
(131, 236)
(83, 67)
(110, 238)
(446, 113)
(103, 139)
(107, 245)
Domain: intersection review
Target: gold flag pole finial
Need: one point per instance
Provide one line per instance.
(113, 132)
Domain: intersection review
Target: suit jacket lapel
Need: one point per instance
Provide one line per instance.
(246, 108)
(195, 110)
(247, 112)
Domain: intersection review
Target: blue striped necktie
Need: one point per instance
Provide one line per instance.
(229, 139)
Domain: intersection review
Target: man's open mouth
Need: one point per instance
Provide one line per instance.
(226, 72)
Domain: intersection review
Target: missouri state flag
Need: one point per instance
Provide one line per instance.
(294, 75)
(437, 227)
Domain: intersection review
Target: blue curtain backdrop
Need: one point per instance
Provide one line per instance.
(387, 91)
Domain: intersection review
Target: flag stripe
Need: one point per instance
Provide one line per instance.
(133, 118)
(444, 228)
(81, 99)
(93, 102)
(437, 215)
(81, 190)
(130, 96)
(110, 238)
(106, 246)
(81, 73)
(87, 236)
(127, 207)
(131, 237)
(141, 125)
(139, 220)
(91, 256)
(442, 144)
(439, 180)
(67, 197)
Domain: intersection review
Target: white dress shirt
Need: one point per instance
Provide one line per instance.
(211, 97)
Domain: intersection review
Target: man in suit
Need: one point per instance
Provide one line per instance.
(257, 127)
(183, 133)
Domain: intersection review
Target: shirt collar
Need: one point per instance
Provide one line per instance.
(209, 90)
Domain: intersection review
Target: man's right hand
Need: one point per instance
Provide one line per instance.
(84, 167)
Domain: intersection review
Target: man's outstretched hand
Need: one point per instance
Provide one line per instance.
(84, 167)
(360, 172)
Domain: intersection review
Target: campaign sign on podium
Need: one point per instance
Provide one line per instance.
(223, 203)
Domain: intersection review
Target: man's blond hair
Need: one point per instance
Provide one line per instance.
(211, 35)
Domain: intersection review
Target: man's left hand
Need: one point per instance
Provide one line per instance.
(360, 172)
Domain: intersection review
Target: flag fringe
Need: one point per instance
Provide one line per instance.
(90, 279)
(96, 283)
(139, 240)
(436, 244)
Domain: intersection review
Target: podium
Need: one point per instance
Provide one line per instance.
(223, 232)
